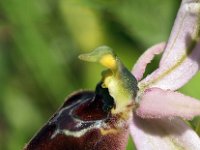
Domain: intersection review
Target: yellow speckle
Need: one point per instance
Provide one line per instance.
(109, 131)
(108, 61)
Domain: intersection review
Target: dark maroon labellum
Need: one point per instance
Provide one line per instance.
(78, 123)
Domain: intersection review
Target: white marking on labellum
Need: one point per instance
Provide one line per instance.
(65, 108)
(79, 133)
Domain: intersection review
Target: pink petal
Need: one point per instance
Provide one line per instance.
(165, 134)
(181, 59)
(157, 103)
(139, 68)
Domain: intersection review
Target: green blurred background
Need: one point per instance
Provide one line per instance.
(39, 44)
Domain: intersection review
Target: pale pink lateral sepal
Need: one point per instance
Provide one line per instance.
(163, 134)
(158, 103)
(181, 58)
(140, 66)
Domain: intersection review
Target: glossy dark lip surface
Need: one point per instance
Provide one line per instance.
(82, 110)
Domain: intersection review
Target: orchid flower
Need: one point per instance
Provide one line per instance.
(150, 108)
